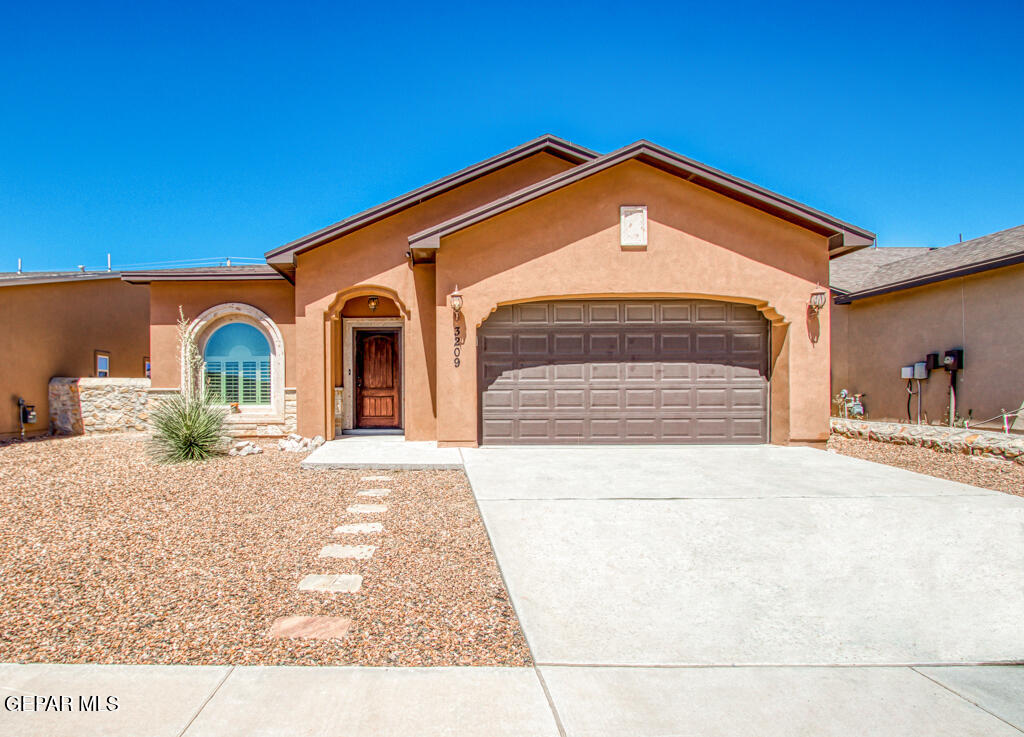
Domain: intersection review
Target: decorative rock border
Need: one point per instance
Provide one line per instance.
(937, 437)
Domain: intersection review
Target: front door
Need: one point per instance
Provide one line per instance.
(377, 380)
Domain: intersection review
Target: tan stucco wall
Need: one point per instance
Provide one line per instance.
(874, 337)
(566, 244)
(49, 330)
(372, 261)
(275, 298)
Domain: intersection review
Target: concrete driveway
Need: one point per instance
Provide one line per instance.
(643, 576)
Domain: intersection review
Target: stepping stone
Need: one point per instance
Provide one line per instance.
(360, 528)
(375, 478)
(367, 509)
(311, 628)
(373, 492)
(359, 552)
(345, 583)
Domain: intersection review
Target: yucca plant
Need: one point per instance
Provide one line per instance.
(188, 428)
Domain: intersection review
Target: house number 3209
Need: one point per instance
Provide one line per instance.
(458, 342)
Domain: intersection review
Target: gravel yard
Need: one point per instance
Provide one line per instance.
(107, 557)
(975, 470)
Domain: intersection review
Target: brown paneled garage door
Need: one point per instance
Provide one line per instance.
(644, 371)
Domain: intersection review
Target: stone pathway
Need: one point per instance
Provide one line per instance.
(359, 552)
(326, 628)
(311, 628)
(344, 583)
(367, 509)
(359, 528)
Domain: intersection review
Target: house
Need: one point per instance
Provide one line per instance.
(548, 294)
(894, 306)
(66, 323)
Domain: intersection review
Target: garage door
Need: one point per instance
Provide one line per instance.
(653, 371)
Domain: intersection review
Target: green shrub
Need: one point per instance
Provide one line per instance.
(188, 429)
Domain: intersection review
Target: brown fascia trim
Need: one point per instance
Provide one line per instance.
(920, 281)
(285, 255)
(146, 277)
(843, 237)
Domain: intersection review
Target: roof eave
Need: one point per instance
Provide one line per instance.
(843, 237)
(147, 277)
(27, 280)
(545, 144)
(938, 276)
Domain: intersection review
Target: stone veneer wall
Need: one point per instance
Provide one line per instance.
(938, 437)
(85, 405)
(88, 405)
(248, 425)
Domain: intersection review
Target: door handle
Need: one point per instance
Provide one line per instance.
(359, 381)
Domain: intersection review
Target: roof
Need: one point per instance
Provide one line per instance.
(242, 272)
(925, 266)
(854, 271)
(284, 256)
(14, 278)
(842, 236)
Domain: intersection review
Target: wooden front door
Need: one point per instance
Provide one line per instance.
(377, 380)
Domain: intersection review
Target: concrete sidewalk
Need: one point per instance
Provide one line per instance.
(207, 701)
(212, 701)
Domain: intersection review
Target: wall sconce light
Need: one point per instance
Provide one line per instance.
(818, 299)
(372, 303)
(456, 298)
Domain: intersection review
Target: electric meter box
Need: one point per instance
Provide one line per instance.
(907, 372)
(921, 370)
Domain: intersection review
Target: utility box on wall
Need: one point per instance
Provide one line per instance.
(921, 370)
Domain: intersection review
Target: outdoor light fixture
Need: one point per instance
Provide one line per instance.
(818, 299)
(372, 303)
(456, 298)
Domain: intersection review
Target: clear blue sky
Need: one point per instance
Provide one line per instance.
(158, 131)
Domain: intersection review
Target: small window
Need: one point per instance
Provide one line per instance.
(237, 365)
(146, 368)
(102, 364)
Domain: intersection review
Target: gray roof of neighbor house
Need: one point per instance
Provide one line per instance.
(247, 272)
(857, 270)
(862, 277)
(842, 236)
(13, 278)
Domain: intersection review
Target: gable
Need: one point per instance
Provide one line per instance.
(842, 237)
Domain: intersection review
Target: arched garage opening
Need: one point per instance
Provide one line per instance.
(624, 371)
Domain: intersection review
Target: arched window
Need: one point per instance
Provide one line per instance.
(237, 364)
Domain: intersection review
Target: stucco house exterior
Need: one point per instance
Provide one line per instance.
(894, 306)
(66, 323)
(548, 294)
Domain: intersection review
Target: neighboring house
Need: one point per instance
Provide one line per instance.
(893, 306)
(66, 323)
(549, 294)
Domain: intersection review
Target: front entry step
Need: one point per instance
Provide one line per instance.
(390, 452)
(373, 431)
